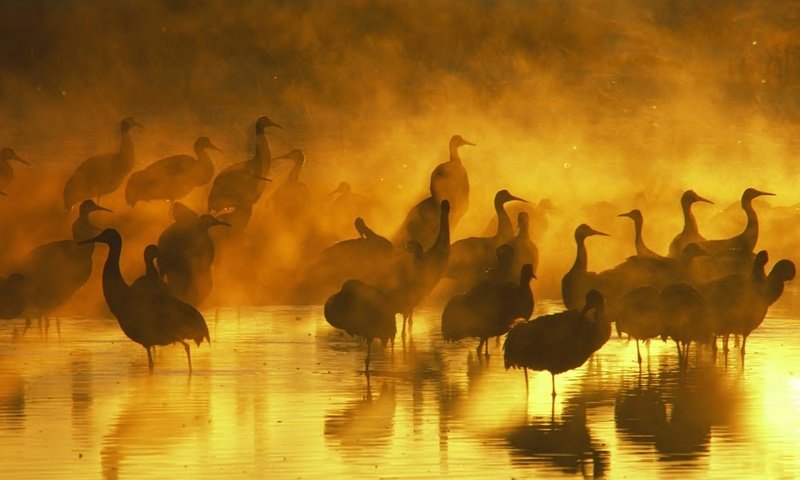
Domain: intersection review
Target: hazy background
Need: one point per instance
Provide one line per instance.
(578, 101)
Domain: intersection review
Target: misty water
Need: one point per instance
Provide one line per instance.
(281, 394)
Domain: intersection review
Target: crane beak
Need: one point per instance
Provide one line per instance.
(519, 199)
(89, 240)
(704, 200)
(223, 223)
(4, 194)
(626, 214)
(98, 208)
(262, 178)
(136, 124)
(16, 157)
(466, 142)
(214, 147)
(760, 193)
(595, 232)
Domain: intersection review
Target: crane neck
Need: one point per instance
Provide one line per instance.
(641, 249)
(204, 167)
(443, 239)
(505, 230)
(581, 257)
(750, 232)
(113, 283)
(126, 151)
(689, 221)
(294, 173)
(454, 157)
(150, 269)
(263, 157)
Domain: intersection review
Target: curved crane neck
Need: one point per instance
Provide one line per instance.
(114, 285)
(638, 242)
(150, 269)
(263, 157)
(204, 167)
(442, 243)
(750, 232)
(689, 221)
(126, 151)
(504, 228)
(581, 257)
(454, 157)
(294, 173)
(5, 169)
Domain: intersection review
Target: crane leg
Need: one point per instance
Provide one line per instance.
(480, 346)
(553, 383)
(742, 350)
(27, 325)
(638, 354)
(188, 355)
(486, 347)
(525, 369)
(366, 360)
(149, 359)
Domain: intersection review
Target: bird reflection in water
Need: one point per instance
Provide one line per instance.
(566, 444)
(675, 410)
(365, 426)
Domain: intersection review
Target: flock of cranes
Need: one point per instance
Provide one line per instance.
(702, 289)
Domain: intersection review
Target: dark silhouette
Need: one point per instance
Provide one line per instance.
(577, 281)
(685, 319)
(525, 251)
(186, 255)
(738, 303)
(56, 270)
(368, 258)
(362, 310)
(449, 181)
(488, 309)
(558, 342)
(102, 174)
(173, 177)
(12, 296)
(291, 200)
(745, 241)
(150, 282)
(241, 184)
(412, 284)
(147, 318)
(638, 221)
(6, 172)
(471, 256)
(640, 316)
(690, 232)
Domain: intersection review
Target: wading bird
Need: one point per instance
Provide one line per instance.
(690, 232)
(102, 174)
(745, 241)
(186, 255)
(241, 184)
(12, 296)
(488, 309)
(173, 177)
(642, 250)
(558, 342)
(56, 270)
(449, 181)
(577, 281)
(471, 256)
(364, 311)
(147, 318)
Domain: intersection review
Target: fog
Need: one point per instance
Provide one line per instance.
(581, 102)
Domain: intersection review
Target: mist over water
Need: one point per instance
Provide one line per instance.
(599, 107)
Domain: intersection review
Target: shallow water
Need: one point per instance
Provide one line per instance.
(281, 394)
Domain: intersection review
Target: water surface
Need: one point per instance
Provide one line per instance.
(281, 394)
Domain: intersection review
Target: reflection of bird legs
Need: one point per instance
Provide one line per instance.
(638, 355)
(27, 325)
(525, 369)
(553, 382)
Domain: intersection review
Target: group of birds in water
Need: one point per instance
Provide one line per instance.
(701, 290)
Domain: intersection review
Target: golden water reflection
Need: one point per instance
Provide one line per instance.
(280, 394)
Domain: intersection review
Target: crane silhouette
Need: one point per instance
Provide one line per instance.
(102, 174)
(147, 318)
